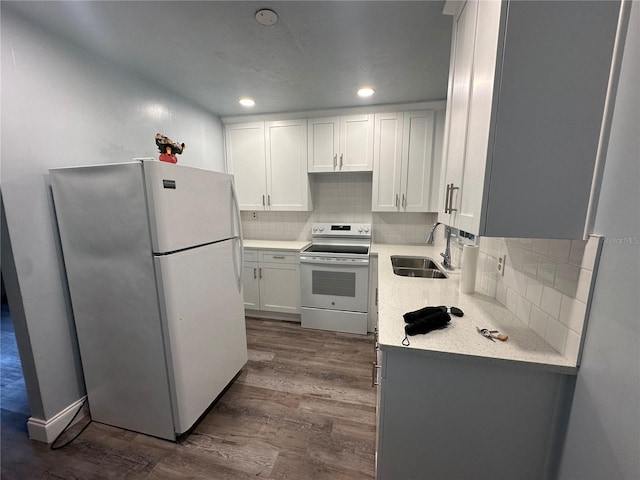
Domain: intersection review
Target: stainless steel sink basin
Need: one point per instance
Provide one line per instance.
(421, 267)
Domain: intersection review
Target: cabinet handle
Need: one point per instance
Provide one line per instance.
(374, 372)
(451, 209)
(376, 302)
(335, 161)
(341, 161)
(404, 201)
(268, 200)
(255, 273)
(260, 272)
(446, 199)
(396, 199)
(280, 257)
(263, 204)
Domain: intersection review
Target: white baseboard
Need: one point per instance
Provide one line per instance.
(47, 430)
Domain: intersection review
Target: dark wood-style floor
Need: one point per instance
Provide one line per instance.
(302, 408)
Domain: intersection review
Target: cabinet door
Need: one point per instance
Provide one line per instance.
(323, 137)
(287, 178)
(356, 144)
(387, 161)
(246, 160)
(470, 199)
(458, 110)
(251, 286)
(280, 287)
(417, 161)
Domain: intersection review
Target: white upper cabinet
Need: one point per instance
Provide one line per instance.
(246, 160)
(407, 157)
(287, 179)
(341, 144)
(526, 116)
(269, 163)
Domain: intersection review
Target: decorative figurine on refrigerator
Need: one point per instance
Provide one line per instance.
(168, 148)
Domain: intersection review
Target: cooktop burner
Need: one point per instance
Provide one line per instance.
(350, 249)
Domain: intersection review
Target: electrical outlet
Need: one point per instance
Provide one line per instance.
(502, 261)
(254, 215)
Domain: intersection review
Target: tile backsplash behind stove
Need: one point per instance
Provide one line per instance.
(339, 197)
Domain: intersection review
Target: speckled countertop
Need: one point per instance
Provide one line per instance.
(276, 244)
(398, 295)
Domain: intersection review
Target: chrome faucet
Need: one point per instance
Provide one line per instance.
(446, 262)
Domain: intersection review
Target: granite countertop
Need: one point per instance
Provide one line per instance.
(292, 245)
(398, 295)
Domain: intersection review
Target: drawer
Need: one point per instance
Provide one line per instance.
(250, 255)
(275, 256)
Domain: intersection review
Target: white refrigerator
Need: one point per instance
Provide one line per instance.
(153, 257)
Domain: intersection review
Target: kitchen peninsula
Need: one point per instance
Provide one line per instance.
(453, 401)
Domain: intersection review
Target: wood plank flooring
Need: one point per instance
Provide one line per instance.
(302, 408)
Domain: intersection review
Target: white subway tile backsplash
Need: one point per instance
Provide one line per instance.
(538, 321)
(551, 301)
(546, 284)
(512, 300)
(534, 291)
(501, 293)
(559, 249)
(556, 334)
(515, 254)
(546, 270)
(572, 346)
(523, 310)
(530, 263)
(541, 246)
(577, 251)
(590, 253)
(572, 313)
(567, 278)
(584, 285)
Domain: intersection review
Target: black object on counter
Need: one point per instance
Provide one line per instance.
(416, 315)
(427, 323)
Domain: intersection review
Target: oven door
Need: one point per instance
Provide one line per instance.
(335, 284)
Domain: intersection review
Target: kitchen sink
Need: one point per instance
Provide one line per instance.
(421, 267)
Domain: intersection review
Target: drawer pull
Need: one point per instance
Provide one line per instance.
(279, 257)
(374, 374)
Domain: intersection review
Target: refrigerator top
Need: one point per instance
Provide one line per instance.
(185, 206)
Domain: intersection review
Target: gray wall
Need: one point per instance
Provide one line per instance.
(63, 107)
(603, 440)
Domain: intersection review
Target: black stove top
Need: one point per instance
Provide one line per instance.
(344, 249)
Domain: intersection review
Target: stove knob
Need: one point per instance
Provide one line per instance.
(321, 229)
(366, 230)
(360, 230)
(315, 229)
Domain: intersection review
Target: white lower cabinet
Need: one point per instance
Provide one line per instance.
(451, 417)
(271, 281)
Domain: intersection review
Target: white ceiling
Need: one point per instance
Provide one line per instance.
(315, 57)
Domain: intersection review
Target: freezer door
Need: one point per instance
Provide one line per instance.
(188, 206)
(204, 325)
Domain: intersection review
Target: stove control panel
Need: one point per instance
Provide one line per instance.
(342, 229)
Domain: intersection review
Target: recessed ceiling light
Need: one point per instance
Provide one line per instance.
(266, 17)
(247, 102)
(366, 92)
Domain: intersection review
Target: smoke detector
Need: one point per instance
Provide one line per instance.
(266, 17)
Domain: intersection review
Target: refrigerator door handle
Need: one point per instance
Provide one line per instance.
(238, 238)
